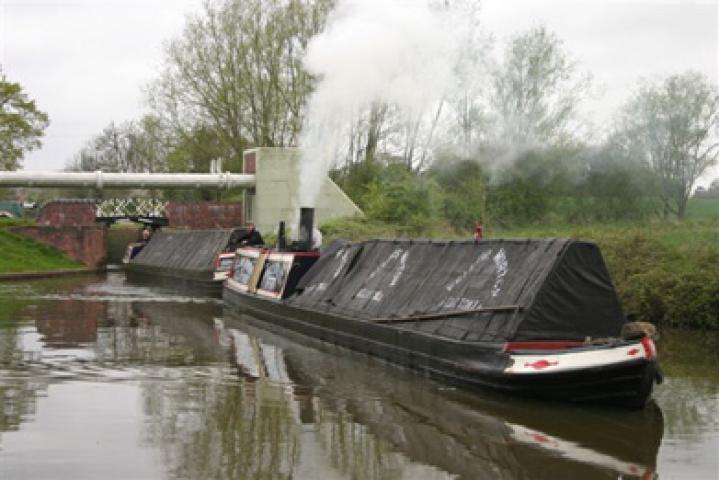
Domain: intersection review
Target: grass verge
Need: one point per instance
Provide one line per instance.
(22, 254)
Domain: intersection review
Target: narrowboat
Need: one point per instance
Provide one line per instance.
(223, 264)
(536, 318)
(196, 259)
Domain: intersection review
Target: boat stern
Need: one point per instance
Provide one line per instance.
(621, 371)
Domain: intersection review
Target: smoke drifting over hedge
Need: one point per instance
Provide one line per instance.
(397, 52)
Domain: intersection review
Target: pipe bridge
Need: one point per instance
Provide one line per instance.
(144, 210)
(100, 180)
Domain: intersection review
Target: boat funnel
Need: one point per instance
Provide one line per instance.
(281, 237)
(307, 217)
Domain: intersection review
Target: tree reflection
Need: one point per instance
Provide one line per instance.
(18, 390)
(214, 428)
(256, 423)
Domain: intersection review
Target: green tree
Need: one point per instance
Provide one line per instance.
(150, 144)
(536, 90)
(464, 187)
(535, 187)
(140, 146)
(613, 187)
(21, 124)
(237, 70)
(192, 153)
(402, 197)
(673, 126)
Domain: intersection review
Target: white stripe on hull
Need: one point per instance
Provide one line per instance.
(553, 362)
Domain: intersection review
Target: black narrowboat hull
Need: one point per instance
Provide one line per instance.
(625, 381)
(186, 281)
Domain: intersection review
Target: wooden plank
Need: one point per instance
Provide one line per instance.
(254, 279)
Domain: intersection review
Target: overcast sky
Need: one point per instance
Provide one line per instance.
(85, 61)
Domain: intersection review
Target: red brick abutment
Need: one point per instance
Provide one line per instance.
(86, 244)
(70, 227)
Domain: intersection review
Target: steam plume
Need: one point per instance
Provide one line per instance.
(399, 52)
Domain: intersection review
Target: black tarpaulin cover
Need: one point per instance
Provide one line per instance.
(495, 290)
(183, 250)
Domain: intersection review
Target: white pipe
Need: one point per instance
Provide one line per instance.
(102, 180)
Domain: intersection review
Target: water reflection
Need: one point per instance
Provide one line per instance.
(373, 422)
(17, 392)
(205, 394)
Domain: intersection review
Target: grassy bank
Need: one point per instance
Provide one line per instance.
(21, 254)
(666, 273)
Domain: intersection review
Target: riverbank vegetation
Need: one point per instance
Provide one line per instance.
(22, 124)
(22, 254)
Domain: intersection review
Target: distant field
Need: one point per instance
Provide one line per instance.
(703, 208)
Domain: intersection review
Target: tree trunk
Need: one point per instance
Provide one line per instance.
(373, 131)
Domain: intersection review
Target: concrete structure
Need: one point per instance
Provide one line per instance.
(100, 180)
(274, 198)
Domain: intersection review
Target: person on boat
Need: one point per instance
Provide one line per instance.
(252, 237)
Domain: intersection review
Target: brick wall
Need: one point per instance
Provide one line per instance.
(193, 215)
(62, 213)
(249, 164)
(200, 215)
(86, 244)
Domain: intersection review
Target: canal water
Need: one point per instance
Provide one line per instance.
(101, 378)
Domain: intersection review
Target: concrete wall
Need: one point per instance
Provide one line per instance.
(86, 244)
(277, 178)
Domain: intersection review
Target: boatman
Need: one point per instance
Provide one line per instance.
(252, 237)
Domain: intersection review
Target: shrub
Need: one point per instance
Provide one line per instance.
(402, 197)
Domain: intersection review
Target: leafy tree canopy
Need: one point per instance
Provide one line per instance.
(21, 124)
(673, 126)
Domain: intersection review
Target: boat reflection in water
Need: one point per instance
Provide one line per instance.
(372, 420)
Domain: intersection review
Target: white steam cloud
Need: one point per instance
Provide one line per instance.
(400, 52)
